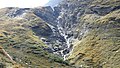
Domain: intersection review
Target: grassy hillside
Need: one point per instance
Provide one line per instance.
(20, 41)
(99, 47)
(88, 29)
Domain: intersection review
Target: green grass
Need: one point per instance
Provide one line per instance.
(21, 42)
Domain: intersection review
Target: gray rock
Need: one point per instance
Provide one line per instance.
(2, 65)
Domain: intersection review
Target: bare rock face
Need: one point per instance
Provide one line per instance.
(2, 65)
(46, 13)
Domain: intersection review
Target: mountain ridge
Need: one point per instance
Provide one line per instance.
(53, 3)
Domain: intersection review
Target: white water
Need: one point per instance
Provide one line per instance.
(52, 27)
(63, 33)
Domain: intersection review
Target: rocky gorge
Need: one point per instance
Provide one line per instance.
(73, 34)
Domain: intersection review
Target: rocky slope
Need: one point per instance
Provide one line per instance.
(93, 27)
(84, 32)
(20, 33)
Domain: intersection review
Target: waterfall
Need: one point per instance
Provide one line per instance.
(66, 44)
(52, 28)
(63, 33)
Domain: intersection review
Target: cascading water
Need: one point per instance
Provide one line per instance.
(67, 40)
(63, 47)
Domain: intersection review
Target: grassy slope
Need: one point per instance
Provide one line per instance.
(100, 46)
(18, 39)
